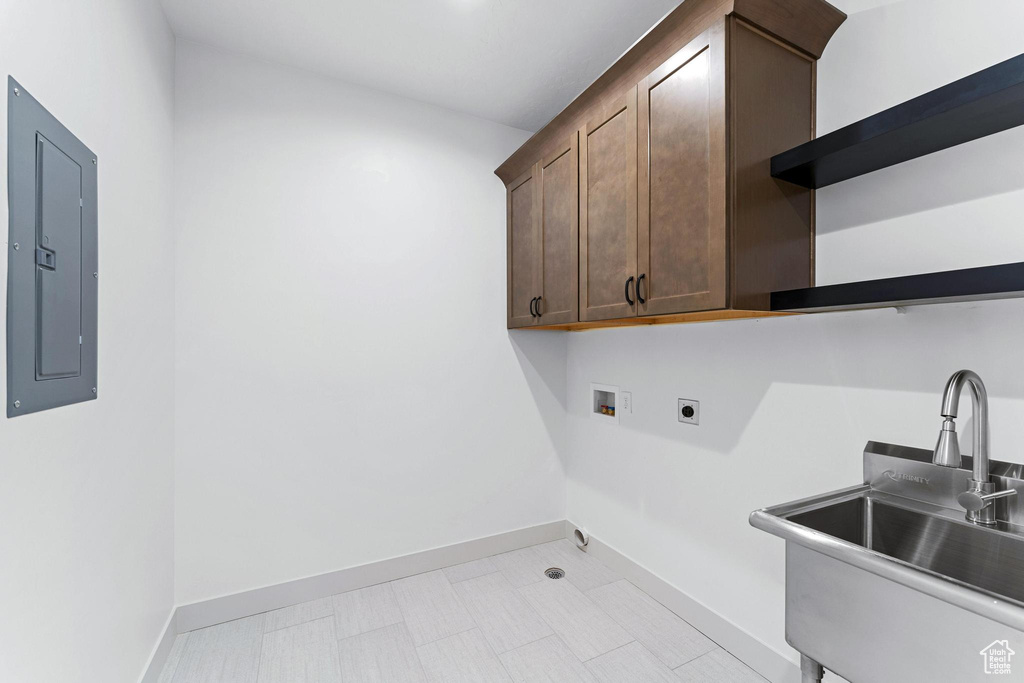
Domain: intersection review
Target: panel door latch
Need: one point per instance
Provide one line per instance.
(46, 258)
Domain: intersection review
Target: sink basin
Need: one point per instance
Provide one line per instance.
(886, 580)
(973, 555)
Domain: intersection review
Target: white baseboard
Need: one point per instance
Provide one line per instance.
(163, 648)
(205, 613)
(748, 649)
(754, 653)
(247, 603)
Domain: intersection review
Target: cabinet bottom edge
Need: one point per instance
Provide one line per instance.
(666, 319)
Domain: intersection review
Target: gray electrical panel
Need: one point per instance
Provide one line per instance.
(52, 265)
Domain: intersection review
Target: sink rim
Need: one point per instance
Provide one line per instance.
(920, 507)
(775, 520)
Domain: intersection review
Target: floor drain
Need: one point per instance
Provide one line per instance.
(554, 573)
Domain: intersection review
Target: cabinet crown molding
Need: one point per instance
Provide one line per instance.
(806, 25)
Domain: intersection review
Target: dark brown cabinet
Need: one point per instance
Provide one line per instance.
(543, 240)
(679, 218)
(523, 250)
(558, 187)
(681, 224)
(608, 212)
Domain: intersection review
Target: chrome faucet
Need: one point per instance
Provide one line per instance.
(980, 493)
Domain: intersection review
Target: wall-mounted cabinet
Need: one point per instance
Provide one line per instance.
(608, 211)
(669, 157)
(558, 219)
(523, 250)
(543, 240)
(681, 226)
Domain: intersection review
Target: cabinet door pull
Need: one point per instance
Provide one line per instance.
(532, 302)
(638, 281)
(537, 306)
(628, 283)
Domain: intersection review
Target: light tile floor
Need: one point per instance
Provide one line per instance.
(496, 619)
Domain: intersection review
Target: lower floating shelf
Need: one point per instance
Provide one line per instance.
(969, 284)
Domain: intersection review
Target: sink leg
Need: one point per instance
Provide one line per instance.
(810, 670)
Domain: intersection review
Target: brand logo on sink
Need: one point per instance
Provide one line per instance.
(903, 476)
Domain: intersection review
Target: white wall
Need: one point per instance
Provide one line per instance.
(346, 389)
(86, 519)
(343, 388)
(917, 217)
(788, 404)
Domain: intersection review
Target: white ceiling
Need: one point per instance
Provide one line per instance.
(517, 62)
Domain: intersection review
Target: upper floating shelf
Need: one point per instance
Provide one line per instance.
(981, 104)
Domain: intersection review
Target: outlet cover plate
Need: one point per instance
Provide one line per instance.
(685, 415)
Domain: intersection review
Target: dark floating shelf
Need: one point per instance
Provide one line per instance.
(981, 104)
(970, 284)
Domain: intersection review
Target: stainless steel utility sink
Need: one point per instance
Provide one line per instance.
(886, 581)
(970, 554)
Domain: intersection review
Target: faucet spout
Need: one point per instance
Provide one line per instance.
(978, 500)
(947, 438)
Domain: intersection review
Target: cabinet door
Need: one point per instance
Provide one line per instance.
(558, 184)
(608, 212)
(524, 252)
(681, 230)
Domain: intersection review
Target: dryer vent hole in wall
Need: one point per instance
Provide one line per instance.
(554, 573)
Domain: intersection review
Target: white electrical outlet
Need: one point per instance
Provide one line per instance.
(688, 411)
(627, 402)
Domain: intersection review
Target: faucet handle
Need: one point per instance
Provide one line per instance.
(973, 500)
